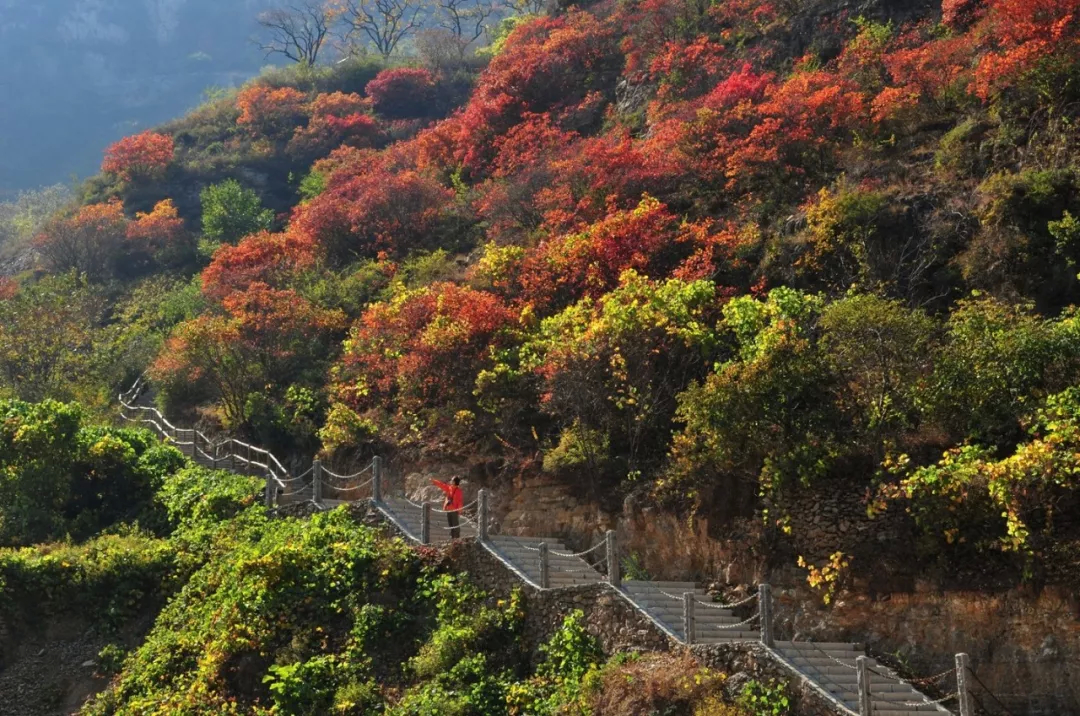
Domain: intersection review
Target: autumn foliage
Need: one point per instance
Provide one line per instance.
(402, 93)
(89, 242)
(423, 348)
(270, 112)
(675, 243)
(142, 156)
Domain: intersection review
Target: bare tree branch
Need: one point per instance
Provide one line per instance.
(464, 19)
(384, 23)
(297, 31)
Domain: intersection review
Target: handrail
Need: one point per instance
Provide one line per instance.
(287, 485)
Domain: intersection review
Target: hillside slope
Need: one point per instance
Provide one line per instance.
(724, 261)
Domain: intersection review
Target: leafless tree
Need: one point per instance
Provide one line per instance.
(384, 23)
(525, 7)
(464, 19)
(297, 31)
(438, 49)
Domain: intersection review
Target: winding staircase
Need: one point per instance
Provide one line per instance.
(840, 673)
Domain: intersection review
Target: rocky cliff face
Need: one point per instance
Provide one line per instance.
(78, 74)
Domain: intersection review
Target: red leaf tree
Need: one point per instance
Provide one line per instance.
(422, 349)
(402, 93)
(141, 156)
(273, 113)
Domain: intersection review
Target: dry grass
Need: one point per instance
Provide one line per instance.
(667, 684)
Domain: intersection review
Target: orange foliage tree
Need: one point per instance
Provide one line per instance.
(270, 112)
(160, 235)
(264, 257)
(89, 242)
(263, 337)
(141, 156)
(422, 350)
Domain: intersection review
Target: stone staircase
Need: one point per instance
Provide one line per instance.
(833, 668)
(408, 518)
(713, 624)
(523, 556)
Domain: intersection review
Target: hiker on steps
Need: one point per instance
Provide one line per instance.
(455, 499)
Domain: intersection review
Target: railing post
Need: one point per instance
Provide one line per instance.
(963, 693)
(765, 607)
(214, 453)
(545, 580)
(316, 481)
(688, 616)
(425, 523)
(482, 516)
(862, 666)
(232, 456)
(376, 479)
(613, 575)
(268, 493)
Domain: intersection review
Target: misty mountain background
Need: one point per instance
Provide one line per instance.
(76, 75)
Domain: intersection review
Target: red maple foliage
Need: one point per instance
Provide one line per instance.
(1020, 35)
(686, 69)
(270, 112)
(649, 239)
(8, 288)
(336, 119)
(266, 258)
(141, 156)
(402, 93)
(367, 208)
(742, 85)
(550, 64)
(423, 348)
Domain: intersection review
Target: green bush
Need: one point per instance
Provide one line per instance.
(108, 579)
(59, 476)
(231, 212)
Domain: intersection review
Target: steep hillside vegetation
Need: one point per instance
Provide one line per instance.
(204, 604)
(705, 253)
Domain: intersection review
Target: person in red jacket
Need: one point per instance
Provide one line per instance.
(455, 500)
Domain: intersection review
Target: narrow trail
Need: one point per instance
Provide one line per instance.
(841, 674)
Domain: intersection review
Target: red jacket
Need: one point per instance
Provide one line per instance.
(455, 499)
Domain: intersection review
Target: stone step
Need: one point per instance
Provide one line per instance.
(635, 585)
(526, 540)
(827, 659)
(658, 597)
(830, 646)
(564, 578)
(673, 606)
(701, 619)
(530, 556)
(877, 683)
(734, 636)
